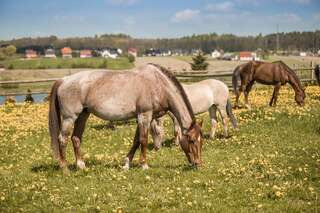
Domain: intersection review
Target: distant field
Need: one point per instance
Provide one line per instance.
(58, 63)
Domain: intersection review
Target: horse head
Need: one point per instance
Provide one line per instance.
(191, 143)
(299, 97)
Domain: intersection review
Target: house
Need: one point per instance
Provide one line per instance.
(133, 51)
(50, 53)
(216, 54)
(31, 54)
(248, 56)
(85, 54)
(66, 52)
(110, 53)
(303, 54)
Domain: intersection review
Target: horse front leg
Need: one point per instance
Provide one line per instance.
(144, 120)
(77, 138)
(273, 101)
(134, 147)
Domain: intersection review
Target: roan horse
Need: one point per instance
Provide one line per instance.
(276, 73)
(144, 94)
(317, 73)
(207, 95)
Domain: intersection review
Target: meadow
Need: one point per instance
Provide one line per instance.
(271, 164)
(60, 63)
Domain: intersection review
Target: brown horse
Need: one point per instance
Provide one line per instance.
(145, 94)
(276, 73)
(317, 73)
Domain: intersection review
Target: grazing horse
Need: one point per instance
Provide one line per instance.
(317, 73)
(276, 73)
(146, 93)
(207, 95)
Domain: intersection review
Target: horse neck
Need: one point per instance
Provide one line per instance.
(295, 83)
(179, 109)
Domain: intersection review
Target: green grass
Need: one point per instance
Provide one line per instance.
(43, 63)
(272, 164)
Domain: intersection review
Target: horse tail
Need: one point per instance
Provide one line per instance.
(317, 73)
(231, 115)
(235, 79)
(55, 119)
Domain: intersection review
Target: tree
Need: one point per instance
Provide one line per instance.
(9, 50)
(199, 62)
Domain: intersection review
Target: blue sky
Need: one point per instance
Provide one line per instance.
(154, 19)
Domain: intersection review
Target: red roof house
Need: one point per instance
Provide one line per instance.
(66, 52)
(31, 54)
(85, 54)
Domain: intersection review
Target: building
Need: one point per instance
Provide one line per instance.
(50, 53)
(248, 56)
(110, 53)
(31, 54)
(66, 52)
(133, 51)
(216, 54)
(85, 54)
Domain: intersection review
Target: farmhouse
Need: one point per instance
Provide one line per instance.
(66, 52)
(31, 54)
(216, 54)
(50, 53)
(85, 54)
(248, 56)
(111, 53)
(133, 51)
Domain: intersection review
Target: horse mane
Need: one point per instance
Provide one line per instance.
(289, 70)
(178, 85)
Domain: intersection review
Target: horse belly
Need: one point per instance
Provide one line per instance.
(114, 110)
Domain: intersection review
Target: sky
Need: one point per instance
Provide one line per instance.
(153, 18)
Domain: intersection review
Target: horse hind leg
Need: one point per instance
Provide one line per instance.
(213, 117)
(225, 119)
(77, 138)
(66, 127)
(246, 94)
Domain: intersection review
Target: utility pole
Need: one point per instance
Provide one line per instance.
(277, 42)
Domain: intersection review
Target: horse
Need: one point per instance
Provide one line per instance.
(317, 73)
(207, 95)
(276, 73)
(145, 93)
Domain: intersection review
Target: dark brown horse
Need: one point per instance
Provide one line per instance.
(276, 73)
(317, 73)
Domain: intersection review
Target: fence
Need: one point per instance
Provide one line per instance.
(306, 75)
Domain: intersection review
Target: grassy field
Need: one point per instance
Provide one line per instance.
(58, 63)
(272, 164)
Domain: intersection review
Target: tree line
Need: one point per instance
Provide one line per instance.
(291, 41)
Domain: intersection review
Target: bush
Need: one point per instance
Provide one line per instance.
(131, 58)
(104, 64)
(10, 67)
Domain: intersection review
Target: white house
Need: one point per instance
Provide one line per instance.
(215, 54)
(110, 53)
(303, 54)
(50, 53)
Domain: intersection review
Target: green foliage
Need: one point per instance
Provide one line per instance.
(29, 97)
(131, 58)
(199, 62)
(9, 50)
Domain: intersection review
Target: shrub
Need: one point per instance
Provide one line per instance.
(131, 58)
(199, 62)
(10, 67)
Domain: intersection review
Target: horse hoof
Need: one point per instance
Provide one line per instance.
(145, 166)
(81, 164)
(126, 164)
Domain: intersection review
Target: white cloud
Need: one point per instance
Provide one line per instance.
(123, 2)
(185, 15)
(295, 1)
(316, 16)
(226, 6)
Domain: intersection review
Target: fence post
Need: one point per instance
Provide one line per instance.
(312, 73)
